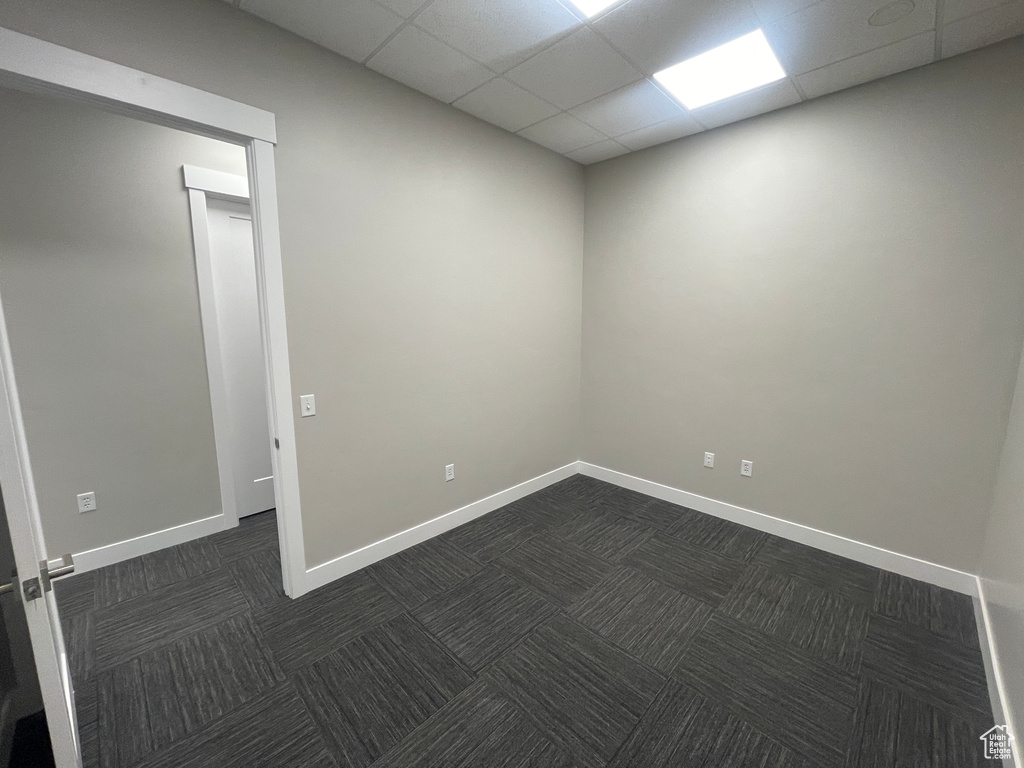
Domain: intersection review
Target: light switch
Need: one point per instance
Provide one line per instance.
(307, 406)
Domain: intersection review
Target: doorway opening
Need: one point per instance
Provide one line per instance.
(228, 303)
(32, 66)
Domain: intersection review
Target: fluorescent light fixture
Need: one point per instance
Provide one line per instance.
(593, 7)
(741, 65)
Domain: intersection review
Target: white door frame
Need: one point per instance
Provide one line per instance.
(203, 184)
(35, 66)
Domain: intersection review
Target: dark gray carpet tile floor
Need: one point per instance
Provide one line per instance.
(578, 492)
(806, 705)
(559, 570)
(479, 727)
(253, 533)
(299, 632)
(258, 575)
(705, 575)
(792, 610)
(544, 511)
(717, 535)
(76, 594)
(80, 644)
(684, 728)
(372, 692)
(652, 622)
(120, 581)
(421, 572)
(604, 534)
(946, 613)
(154, 618)
(944, 672)
(85, 709)
(895, 729)
(582, 692)
(493, 534)
(90, 743)
(162, 696)
(482, 618)
(180, 563)
(644, 510)
(272, 731)
(854, 581)
(582, 625)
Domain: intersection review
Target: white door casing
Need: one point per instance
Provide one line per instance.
(35, 66)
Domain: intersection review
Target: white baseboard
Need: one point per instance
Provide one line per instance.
(905, 565)
(327, 572)
(92, 559)
(1002, 710)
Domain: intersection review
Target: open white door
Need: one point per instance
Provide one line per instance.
(31, 585)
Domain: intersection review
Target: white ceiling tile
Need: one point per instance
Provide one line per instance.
(833, 30)
(353, 28)
(628, 109)
(954, 10)
(906, 54)
(984, 28)
(505, 104)
(774, 96)
(498, 33)
(562, 133)
(404, 8)
(773, 10)
(655, 34)
(595, 153)
(577, 69)
(415, 58)
(670, 130)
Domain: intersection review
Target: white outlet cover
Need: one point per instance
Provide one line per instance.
(449, 472)
(709, 460)
(746, 468)
(86, 501)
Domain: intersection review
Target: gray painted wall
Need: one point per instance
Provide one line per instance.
(834, 291)
(1002, 563)
(432, 266)
(98, 276)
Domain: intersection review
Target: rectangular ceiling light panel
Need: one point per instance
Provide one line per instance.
(593, 7)
(741, 65)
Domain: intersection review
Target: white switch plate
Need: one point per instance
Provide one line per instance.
(449, 472)
(746, 468)
(86, 502)
(709, 460)
(307, 405)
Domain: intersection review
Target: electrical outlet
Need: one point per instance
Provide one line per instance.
(746, 468)
(449, 473)
(86, 502)
(709, 460)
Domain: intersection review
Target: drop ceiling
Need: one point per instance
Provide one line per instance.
(584, 87)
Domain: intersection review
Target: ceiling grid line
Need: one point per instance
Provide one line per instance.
(406, 23)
